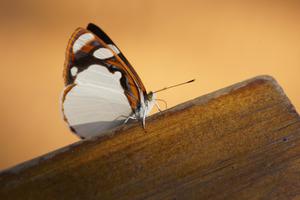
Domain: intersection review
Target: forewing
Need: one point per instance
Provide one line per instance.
(103, 36)
(85, 49)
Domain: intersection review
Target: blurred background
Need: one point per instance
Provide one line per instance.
(216, 42)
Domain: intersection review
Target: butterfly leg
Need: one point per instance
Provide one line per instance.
(158, 107)
(144, 119)
(129, 117)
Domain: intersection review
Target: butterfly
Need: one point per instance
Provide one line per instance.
(102, 89)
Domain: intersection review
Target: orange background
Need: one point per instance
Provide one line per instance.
(217, 42)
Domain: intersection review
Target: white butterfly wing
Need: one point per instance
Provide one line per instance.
(96, 103)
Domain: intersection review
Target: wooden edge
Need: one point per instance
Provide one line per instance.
(158, 116)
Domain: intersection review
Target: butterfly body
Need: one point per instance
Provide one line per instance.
(102, 88)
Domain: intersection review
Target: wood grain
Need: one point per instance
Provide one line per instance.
(241, 142)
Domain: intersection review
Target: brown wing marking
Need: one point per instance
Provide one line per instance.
(70, 55)
(65, 92)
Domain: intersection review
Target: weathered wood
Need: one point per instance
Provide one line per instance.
(241, 142)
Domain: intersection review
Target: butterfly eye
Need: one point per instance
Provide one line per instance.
(150, 96)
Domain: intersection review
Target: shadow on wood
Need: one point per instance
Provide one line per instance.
(241, 142)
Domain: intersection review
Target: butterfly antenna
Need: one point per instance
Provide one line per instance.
(166, 88)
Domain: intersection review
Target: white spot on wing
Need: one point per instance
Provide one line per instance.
(103, 53)
(114, 48)
(74, 71)
(81, 41)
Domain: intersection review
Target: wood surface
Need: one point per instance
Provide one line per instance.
(241, 142)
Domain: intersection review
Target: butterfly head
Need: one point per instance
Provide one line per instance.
(150, 101)
(150, 96)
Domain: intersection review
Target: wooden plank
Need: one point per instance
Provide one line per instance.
(241, 142)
